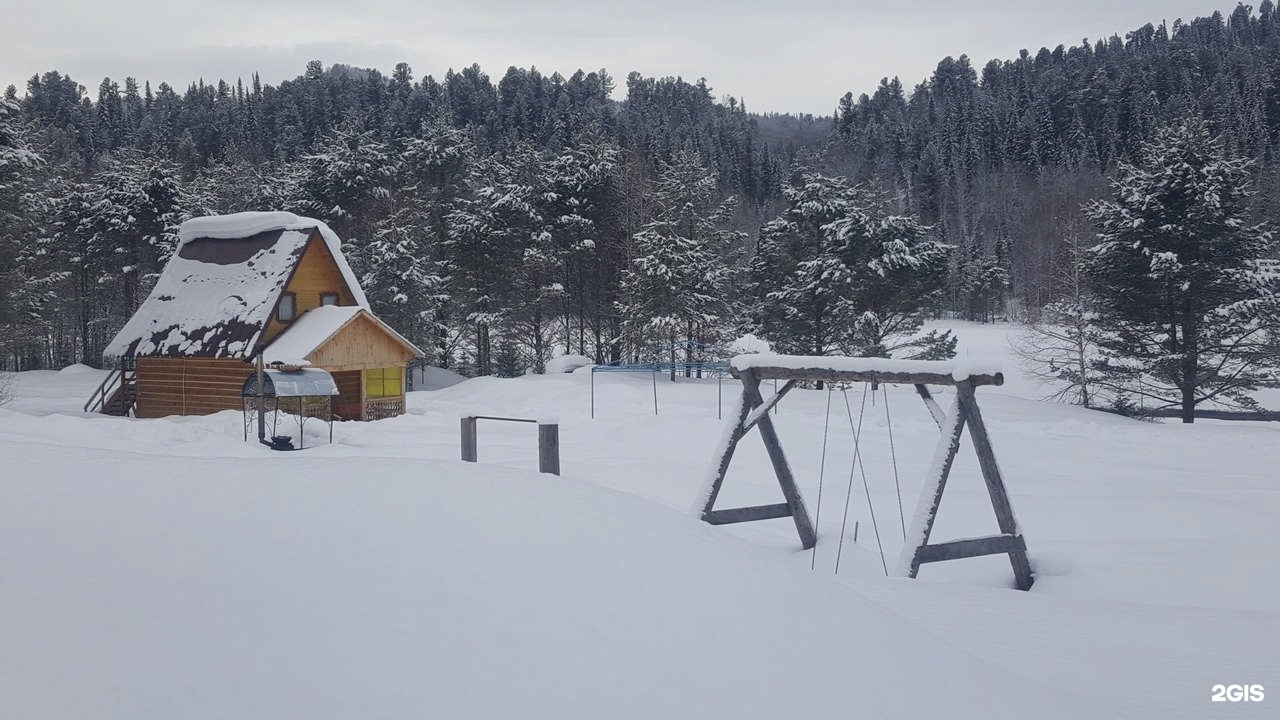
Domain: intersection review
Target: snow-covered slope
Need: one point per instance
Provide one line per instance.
(165, 568)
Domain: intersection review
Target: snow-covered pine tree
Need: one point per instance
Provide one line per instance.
(1178, 272)
(18, 163)
(983, 282)
(505, 261)
(584, 209)
(137, 212)
(677, 280)
(896, 275)
(404, 266)
(835, 273)
(402, 271)
(437, 171)
(346, 181)
(75, 259)
(796, 279)
(533, 288)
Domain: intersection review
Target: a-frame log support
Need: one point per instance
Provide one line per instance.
(753, 413)
(1009, 541)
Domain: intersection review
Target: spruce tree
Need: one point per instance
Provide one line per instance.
(675, 286)
(837, 273)
(18, 164)
(1179, 275)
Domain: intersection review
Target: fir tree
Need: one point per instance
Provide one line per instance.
(1179, 276)
(18, 164)
(835, 273)
(676, 282)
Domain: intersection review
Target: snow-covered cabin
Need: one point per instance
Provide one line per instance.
(240, 285)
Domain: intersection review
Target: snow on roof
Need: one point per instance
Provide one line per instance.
(313, 329)
(217, 292)
(236, 225)
(958, 370)
(308, 332)
(245, 224)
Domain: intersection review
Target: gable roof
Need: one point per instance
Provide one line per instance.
(216, 294)
(314, 328)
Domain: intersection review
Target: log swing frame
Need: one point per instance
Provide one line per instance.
(753, 414)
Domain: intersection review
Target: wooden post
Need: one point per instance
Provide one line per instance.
(964, 411)
(799, 513)
(469, 439)
(364, 387)
(548, 448)
(935, 412)
(726, 456)
(754, 412)
(952, 427)
(995, 485)
(262, 403)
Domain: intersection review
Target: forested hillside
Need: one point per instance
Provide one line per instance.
(495, 220)
(1000, 158)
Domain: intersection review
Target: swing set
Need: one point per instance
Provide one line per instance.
(753, 414)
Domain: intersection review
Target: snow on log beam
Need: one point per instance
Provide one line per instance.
(767, 366)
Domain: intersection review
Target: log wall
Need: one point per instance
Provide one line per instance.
(188, 386)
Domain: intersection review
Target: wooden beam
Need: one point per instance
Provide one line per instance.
(944, 456)
(768, 405)
(804, 526)
(892, 378)
(934, 410)
(730, 444)
(995, 483)
(973, 547)
(748, 514)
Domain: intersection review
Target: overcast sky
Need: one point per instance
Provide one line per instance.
(782, 55)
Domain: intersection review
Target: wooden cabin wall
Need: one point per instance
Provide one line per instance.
(316, 274)
(362, 344)
(189, 386)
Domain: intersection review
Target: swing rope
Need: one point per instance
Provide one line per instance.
(822, 469)
(893, 455)
(857, 464)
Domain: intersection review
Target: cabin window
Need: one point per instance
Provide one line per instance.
(328, 299)
(288, 307)
(383, 382)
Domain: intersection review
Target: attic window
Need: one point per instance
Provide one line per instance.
(328, 299)
(288, 307)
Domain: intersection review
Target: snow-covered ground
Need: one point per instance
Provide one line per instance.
(165, 568)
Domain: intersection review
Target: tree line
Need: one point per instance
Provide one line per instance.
(499, 223)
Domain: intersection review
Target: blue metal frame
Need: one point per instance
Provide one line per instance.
(712, 368)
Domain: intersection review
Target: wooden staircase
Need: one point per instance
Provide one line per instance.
(117, 393)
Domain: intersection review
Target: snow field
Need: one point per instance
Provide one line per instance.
(165, 568)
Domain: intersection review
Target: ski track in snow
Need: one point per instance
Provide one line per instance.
(165, 568)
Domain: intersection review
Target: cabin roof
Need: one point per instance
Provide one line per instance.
(216, 294)
(304, 382)
(314, 328)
